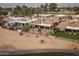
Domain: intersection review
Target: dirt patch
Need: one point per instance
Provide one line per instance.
(7, 48)
(11, 40)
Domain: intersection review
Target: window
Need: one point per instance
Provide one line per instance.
(46, 27)
(19, 24)
(41, 26)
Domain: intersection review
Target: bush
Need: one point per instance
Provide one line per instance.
(21, 33)
(55, 29)
(55, 24)
(39, 30)
(42, 41)
(36, 36)
(51, 33)
(68, 36)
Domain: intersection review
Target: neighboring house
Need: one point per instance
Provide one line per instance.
(63, 25)
(43, 15)
(71, 26)
(22, 22)
(72, 29)
(44, 26)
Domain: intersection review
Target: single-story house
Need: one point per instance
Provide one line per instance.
(72, 29)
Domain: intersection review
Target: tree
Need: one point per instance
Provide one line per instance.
(55, 29)
(76, 9)
(30, 11)
(46, 6)
(17, 10)
(77, 12)
(37, 11)
(0, 11)
(69, 9)
(4, 13)
(1, 20)
(42, 8)
(24, 11)
(1, 16)
(55, 24)
(52, 6)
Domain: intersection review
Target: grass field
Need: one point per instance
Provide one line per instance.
(69, 36)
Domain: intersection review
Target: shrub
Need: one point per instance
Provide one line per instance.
(55, 29)
(42, 41)
(21, 33)
(55, 24)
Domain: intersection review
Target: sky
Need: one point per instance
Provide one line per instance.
(12, 5)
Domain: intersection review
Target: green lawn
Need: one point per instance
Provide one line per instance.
(69, 36)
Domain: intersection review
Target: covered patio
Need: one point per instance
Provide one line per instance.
(44, 26)
(72, 29)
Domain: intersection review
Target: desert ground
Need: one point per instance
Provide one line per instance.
(29, 41)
